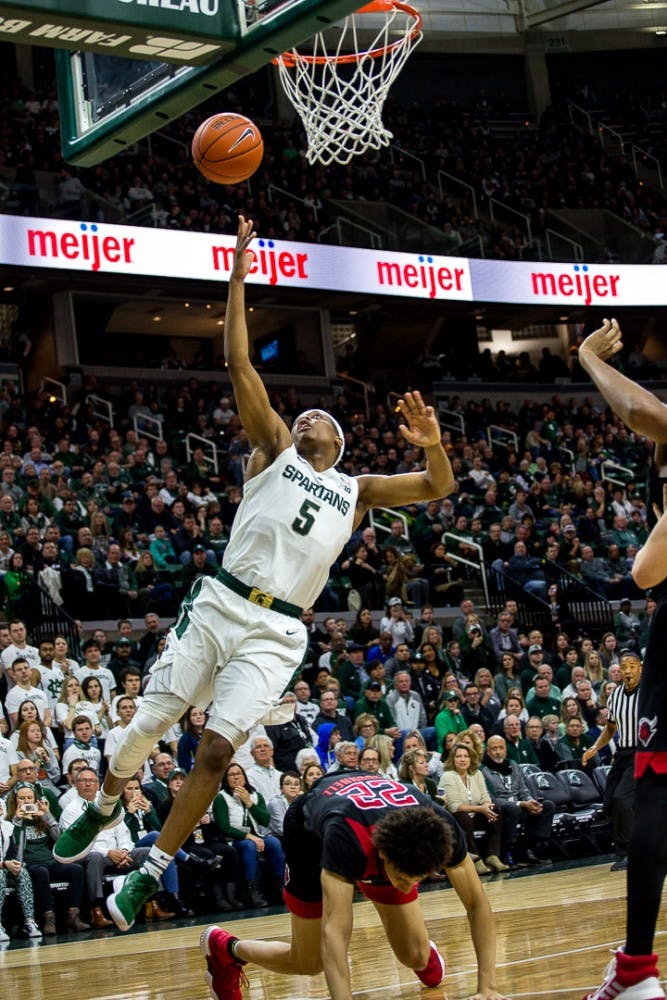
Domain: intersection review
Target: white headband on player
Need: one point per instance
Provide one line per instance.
(337, 428)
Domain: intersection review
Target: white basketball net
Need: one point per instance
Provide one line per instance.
(340, 99)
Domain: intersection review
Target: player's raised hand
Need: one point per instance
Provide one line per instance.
(243, 261)
(603, 343)
(422, 429)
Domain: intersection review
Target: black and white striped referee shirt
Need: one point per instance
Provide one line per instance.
(622, 706)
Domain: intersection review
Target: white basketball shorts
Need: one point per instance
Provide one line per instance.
(231, 654)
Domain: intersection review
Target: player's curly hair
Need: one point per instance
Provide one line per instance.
(417, 841)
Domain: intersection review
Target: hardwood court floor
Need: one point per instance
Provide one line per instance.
(554, 932)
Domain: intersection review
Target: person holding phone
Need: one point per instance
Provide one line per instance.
(35, 831)
(397, 622)
(14, 875)
(207, 852)
(144, 824)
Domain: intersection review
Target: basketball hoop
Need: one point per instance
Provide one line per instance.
(339, 94)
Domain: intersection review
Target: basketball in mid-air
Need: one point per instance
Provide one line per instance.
(227, 148)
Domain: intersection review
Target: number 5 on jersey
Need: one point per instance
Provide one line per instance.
(305, 519)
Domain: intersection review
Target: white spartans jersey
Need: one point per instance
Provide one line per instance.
(290, 527)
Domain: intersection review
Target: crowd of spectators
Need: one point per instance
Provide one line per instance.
(61, 719)
(452, 709)
(111, 524)
(535, 167)
(441, 704)
(82, 508)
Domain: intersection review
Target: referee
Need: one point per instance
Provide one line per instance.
(619, 795)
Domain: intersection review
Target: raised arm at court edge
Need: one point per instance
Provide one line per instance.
(650, 565)
(262, 424)
(637, 407)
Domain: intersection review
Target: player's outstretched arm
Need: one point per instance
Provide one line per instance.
(465, 882)
(649, 568)
(437, 480)
(337, 898)
(264, 427)
(636, 406)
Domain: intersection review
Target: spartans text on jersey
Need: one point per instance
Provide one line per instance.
(318, 490)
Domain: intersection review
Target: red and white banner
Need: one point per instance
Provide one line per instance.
(597, 285)
(112, 249)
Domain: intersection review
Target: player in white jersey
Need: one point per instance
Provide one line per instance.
(238, 639)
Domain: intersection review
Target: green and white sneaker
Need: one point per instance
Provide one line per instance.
(124, 905)
(77, 840)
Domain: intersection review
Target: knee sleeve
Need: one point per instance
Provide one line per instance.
(156, 714)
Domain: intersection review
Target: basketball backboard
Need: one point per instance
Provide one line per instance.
(113, 92)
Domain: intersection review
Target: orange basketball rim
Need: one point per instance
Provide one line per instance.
(339, 87)
(291, 57)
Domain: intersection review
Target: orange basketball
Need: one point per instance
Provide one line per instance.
(227, 148)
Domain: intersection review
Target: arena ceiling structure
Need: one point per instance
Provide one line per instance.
(460, 25)
(562, 25)
(465, 27)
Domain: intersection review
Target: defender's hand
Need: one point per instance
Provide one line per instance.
(423, 429)
(603, 343)
(243, 260)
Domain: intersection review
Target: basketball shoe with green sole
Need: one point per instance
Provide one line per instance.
(124, 905)
(77, 840)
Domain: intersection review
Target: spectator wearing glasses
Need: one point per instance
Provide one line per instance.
(113, 849)
(35, 831)
(28, 770)
(76, 765)
(515, 804)
(305, 706)
(369, 760)
(366, 726)
(329, 713)
(31, 746)
(14, 876)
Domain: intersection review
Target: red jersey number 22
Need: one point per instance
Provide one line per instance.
(377, 793)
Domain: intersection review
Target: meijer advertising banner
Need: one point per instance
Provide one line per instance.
(112, 249)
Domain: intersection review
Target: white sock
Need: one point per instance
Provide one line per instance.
(104, 803)
(156, 862)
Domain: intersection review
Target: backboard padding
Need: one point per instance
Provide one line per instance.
(93, 129)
